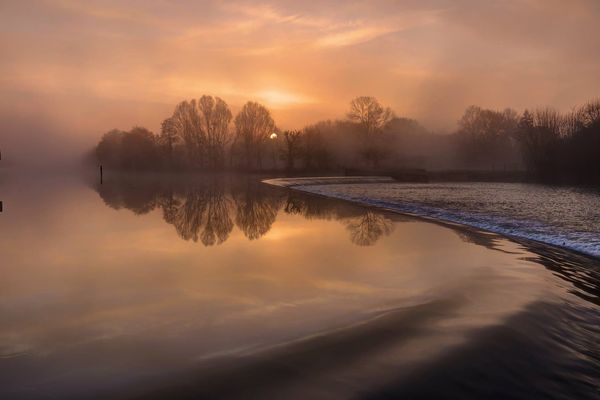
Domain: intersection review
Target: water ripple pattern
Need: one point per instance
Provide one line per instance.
(568, 217)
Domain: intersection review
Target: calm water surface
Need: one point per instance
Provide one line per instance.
(216, 287)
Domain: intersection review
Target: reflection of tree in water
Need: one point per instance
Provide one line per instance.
(137, 196)
(365, 226)
(201, 210)
(477, 237)
(256, 209)
(367, 229)
(204, 210)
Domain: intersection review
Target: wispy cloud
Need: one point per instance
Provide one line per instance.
(305, 60)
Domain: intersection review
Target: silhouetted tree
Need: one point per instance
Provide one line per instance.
(372, 117)
(109, 149)
(133, 150)
(292, 141)
(563, 146)
(139, 149)
(253, 125)
(215, 119)
(486, 136)
(539, 136)
(186, 121)
(168, 140)
(317, 150)
(369, 114)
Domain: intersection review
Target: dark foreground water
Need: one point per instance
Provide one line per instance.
(215, 287)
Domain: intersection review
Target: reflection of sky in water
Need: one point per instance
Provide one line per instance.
(105, 297)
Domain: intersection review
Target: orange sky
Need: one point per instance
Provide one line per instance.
(79, 68)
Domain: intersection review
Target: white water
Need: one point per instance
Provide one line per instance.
(568, 217)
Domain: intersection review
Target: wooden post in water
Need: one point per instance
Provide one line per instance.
(1, 207)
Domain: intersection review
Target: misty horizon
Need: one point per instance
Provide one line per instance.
(73, 71)
(329, 199)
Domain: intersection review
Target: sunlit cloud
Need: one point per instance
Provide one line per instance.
(351, 37)
(280, 98)
(305, 61)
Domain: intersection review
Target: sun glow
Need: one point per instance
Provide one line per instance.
(280, 98)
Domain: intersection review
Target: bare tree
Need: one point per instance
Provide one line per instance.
(539, 134)
(367, 111)
(372, 118)
(168, 138)
(187, 122)
(486, 136)
(215, 117)
(291, 151)
(253, 126)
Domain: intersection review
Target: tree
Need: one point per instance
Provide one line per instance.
(324, 143)
(168, 139)
(139, 149)
(485, 136)
(292, 142)
(133, 150)
(108, 150)
(367, 111)
(372, 117)
(187, 125)
(214, 123)
(253, 126)
(538, 134)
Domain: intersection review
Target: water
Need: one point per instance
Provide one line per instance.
(568, 217)
(220, 287)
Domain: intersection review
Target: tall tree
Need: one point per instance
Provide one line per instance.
(372, 117)
(253, 126)
(168, 138)
(486, 136)
(292, 141)
(367, 111)
(187, 122)
(215, 117)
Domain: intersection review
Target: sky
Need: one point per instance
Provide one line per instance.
(71, 70)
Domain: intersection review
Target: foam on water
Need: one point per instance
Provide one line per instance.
(567, 217)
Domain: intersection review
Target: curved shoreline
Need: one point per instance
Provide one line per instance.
(536, 246)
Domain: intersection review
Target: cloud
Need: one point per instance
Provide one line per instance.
(427, 59)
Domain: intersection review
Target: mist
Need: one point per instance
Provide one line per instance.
(72, 71)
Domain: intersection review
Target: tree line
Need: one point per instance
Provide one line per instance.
(203, 134)
(551, 144)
